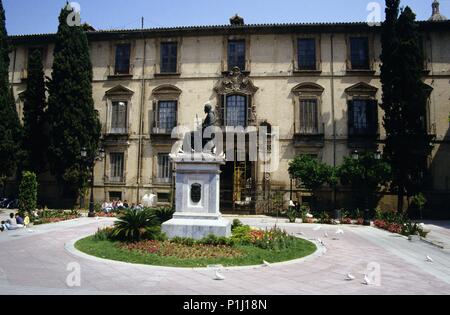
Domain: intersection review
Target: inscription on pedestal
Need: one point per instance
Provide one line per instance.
(196, 193)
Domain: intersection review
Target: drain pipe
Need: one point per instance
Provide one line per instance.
(141, 118)
(333, 118)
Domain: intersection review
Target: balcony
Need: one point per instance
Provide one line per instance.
(309, 137)
(364, 138)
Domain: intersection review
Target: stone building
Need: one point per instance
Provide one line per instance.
(318, 83)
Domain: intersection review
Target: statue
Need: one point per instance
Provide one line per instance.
(210, 120)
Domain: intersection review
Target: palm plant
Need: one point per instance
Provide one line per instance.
(135, 225)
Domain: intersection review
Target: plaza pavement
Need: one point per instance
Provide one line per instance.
(36, 261)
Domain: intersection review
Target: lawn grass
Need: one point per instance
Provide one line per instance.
(251, 255)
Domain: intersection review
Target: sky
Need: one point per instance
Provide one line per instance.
(41, 16)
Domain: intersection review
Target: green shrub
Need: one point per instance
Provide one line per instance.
(103, 234)
(135, 225)
(236, 223)
(161, 214)
(27, 193)
(241, 235)
(410, 228)
(187, 241)
(291, 214)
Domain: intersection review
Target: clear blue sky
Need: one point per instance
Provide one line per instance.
(40, 16)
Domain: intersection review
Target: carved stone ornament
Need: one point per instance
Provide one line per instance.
(236, 82)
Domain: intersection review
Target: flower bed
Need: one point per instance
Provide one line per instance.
(54, 216)
(247, 246)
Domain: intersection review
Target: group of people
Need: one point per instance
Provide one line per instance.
(118, 205)
(10, 225)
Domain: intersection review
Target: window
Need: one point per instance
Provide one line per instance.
(116, 171)
(164, 172)
(119, 117)
(166, 118)
(309, 116)
(123, 59)
(359, 53)
(236, 111)
(236, 54)
(31, 50)
(307, 54)
(169, 58)
(115, 195)
(362, 117)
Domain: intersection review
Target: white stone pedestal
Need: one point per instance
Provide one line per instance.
(197, 198)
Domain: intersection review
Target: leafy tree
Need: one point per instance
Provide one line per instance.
(27, 193)
(35, 129)
(404, 101)
(73, 122)
(366, 175)
(10, 129)
(312, 173)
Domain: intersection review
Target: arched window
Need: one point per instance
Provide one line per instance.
(236, 110)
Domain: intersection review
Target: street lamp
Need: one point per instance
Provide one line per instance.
(378, 155)
(355, 155)
(99, 156)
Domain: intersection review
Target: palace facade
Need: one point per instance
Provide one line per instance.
(318, 85)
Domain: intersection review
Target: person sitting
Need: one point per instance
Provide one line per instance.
(119, 205)
(19, 221)
(126, 205)
(3, 226)
(9, 223)
(107, 207)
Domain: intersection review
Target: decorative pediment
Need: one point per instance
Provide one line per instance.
(119, 90)
(21, 95)
(428, 89)
(166, 89)
(235, 82)
(361, 88)
(308, 88)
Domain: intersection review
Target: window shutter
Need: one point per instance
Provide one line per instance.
(155, 116)
(297, 117)
(223, 99)
(122, 117)
(350, 111)
(249, 118)
(373, 116)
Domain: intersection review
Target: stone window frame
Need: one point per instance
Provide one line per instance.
(165, 92)
(318, 42)
(118, 94)
(155, 170)
(307, 91)
(158, 41)
(107, 174)
(371, 41)
(226, 39)
(362, 91)
(112, 58)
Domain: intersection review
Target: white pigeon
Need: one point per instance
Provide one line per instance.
(266, 264)
(340, 231)
(325, 234)
(350, 277)
(218, 276)
(367, 280)
(317, 228)
(320, 242)
(30, 231)
(429, 259)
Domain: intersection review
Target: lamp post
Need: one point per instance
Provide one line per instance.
(99, 156)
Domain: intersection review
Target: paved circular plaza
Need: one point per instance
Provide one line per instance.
(42, 261)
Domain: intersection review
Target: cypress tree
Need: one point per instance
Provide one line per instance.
(10, 129)
(35, 135)
(404, 101)
(73, 122)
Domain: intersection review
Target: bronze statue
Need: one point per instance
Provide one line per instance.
(210, 120)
